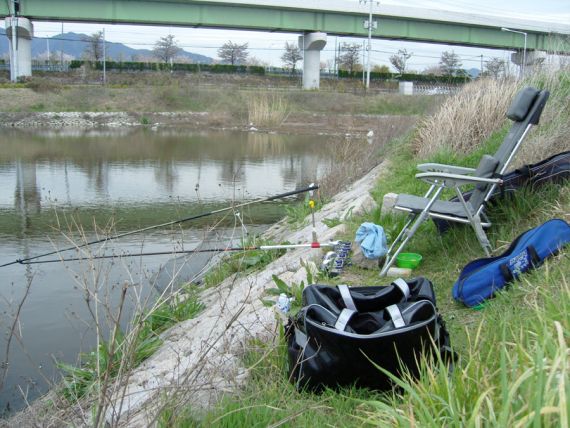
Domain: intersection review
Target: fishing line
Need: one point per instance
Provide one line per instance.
(170, 223)
(205, 250)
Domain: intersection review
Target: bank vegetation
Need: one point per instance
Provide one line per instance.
(513, 354)
(513, 366)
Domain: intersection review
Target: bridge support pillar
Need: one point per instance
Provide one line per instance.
(531, 59)
(312, 44)
(20, 46)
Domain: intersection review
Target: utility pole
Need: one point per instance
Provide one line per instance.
(521, 76)
(363, 54)
(104, 59)
(335, 56)
(14, 59)
(61, 49)
(370, 25)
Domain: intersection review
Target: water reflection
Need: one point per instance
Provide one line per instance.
(146, 168)
(53, 181)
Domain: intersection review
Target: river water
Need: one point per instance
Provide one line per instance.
(60, 188)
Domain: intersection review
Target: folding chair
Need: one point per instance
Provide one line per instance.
(525, 112)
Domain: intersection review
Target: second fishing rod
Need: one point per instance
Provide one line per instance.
(310, 188)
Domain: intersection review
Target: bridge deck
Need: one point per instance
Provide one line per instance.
(302, 16)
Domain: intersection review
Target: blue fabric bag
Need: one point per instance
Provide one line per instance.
(372, 240)
(482, 277)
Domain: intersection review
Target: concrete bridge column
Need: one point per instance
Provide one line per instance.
(21, 44)
(312, 44)
(531, 59)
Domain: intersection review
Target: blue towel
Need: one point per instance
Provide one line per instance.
(372, 240)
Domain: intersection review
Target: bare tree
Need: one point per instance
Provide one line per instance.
(432, 69)
(399, 60)
(291, 56)
(166, 49)
(94, 49)
(495, 68)
(449, 63)
(349, 57)
(255, 61)
(381, 69)
(233, 53)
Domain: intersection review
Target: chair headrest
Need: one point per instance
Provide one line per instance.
(522, 103)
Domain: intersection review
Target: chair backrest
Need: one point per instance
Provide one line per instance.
(525, 111)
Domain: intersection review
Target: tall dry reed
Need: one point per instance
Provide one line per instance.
(267, 110)
(466, 119)
(552, 136)
(354, 157)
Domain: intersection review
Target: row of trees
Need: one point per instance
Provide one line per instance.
(449, 63)
(166, 49)
(347, 59)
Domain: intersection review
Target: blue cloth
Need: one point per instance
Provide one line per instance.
(372, 240)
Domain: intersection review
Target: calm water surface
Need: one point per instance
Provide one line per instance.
(55, 186)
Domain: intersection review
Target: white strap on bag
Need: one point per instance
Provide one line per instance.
(343, 319)
(346, 297)
(396, 316)
(403, 286)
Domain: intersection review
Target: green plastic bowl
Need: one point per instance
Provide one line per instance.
(408, 260)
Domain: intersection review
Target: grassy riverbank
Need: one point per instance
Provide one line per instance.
(231, 97)
(513, 367)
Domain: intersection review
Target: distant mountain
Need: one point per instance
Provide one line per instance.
(473, 72)
(74, 44)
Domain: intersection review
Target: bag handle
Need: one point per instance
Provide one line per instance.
(343, 319)
(403, 286)
(396, 316)
(346, 297)
(344, 291)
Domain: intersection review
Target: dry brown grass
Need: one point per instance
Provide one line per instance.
(466, 119)
(356, 156)
(267, 110)
(553, 134)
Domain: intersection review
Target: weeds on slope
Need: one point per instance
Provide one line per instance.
(513, 367)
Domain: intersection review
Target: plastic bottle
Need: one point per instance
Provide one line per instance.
(283, 303)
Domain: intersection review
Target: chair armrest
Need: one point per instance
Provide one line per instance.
(443, 179)
(450, 169)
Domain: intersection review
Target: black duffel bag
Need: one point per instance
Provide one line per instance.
(343, 333)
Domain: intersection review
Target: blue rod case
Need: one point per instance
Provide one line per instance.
(481, 278)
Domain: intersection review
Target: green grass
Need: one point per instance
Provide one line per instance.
(270, 399)
(242, 262)
(297, 213)
(403, 105)
(128, 351)
(513, 366)
(215, 94)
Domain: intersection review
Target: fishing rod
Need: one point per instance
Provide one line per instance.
(169, 223)
(205, 250)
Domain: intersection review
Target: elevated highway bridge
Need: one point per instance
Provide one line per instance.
(313, 19)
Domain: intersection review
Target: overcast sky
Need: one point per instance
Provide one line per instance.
(268, 47)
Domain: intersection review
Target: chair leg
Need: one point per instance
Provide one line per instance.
(481, 235)
(389, 260)
(475, 221)
(419, 219)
